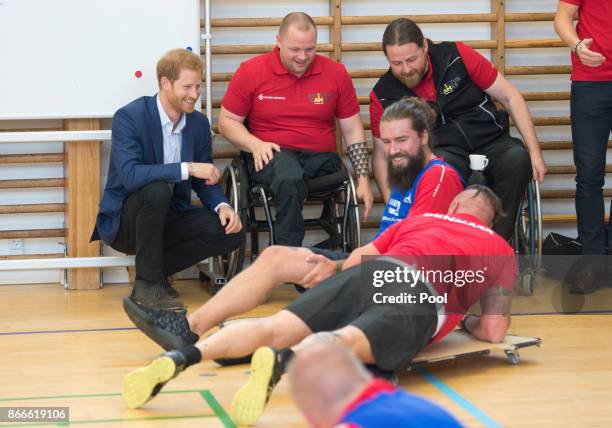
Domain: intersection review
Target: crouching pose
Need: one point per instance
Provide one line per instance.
(372, 306)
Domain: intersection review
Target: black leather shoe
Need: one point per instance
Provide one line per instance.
(170, 290)
(154, 295)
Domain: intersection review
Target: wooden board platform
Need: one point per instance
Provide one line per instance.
(461, 344)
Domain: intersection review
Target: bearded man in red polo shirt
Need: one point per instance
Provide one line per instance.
(291, 98)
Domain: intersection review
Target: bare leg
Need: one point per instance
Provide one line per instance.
(350, 336)
(281, 330)
(275, 266)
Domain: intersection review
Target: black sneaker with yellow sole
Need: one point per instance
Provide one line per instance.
(168, 328)
(250, 401)
(142, 384)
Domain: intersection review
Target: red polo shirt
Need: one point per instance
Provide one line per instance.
(594, 23)
(481, 71)
(294, 112)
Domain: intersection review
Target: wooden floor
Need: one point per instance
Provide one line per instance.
(61, 348)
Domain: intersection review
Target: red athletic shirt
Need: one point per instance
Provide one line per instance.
(294, 112)
(436, 189)
(421, 240)
(481, 71)
(594, 22)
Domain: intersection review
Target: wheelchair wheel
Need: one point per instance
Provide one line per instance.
(351, 228)
(528, 227)
(228, 265)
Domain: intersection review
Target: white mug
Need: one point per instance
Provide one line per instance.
(478, 162)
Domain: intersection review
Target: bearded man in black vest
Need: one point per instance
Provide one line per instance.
(461, 85)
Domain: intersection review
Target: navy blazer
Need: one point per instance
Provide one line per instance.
(137, 159)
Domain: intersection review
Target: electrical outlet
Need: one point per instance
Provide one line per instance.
(15, 246)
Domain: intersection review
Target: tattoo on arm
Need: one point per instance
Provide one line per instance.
(497, 301)
(358, 155)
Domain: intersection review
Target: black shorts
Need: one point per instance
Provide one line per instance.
(396, 331)
(330, 254)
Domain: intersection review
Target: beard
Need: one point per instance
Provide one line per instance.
(403, 176)
(414, 79)
(178, 105)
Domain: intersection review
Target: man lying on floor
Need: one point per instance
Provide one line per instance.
(421, 183)
(365, 306)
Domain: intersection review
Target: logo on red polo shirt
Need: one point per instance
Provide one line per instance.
(262, 97)
(320, 98)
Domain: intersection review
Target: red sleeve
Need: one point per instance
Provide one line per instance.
(238, 98)
(436, 189)
(383, 242)
(507, 271)
(348, 105)
(376, 111)
(481, 71)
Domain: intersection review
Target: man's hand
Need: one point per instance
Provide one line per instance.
(206, 171)
(587, 56)
(364, 193)
(322, 269)
(538, 166)
(263, 153)
(229, 219)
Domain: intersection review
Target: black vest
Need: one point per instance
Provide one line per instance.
(466, 115)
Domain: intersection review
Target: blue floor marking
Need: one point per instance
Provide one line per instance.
(458, 399)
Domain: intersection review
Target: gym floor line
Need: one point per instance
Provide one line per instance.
(208, 396)
(220, 413)
(84, 330)
(549, 386)
(453, 395)
(458, 399)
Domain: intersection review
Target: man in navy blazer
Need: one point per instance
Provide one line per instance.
(161, 150)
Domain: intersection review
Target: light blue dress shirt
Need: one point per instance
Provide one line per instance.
(173, 141)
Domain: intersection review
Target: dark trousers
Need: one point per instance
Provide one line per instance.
(508, 174)
(164, 241)
(591, 113)
(285, 176)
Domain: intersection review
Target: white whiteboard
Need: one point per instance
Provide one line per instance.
(78, 58)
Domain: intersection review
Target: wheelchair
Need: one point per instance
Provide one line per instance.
(527, 235)
(339, 217)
